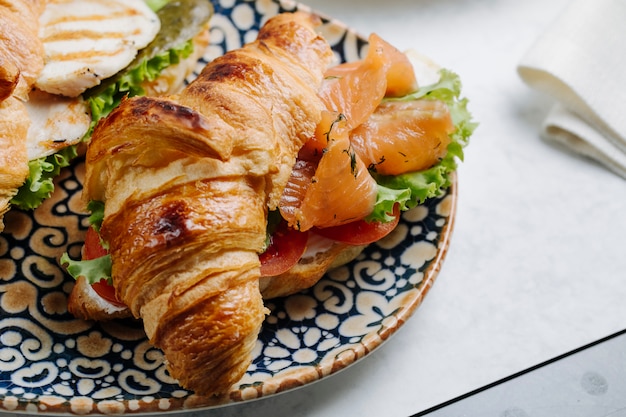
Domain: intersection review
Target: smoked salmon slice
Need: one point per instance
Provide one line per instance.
(356, 90)
(404, 136)
(399, 71)
(317, 191)
(360, 131)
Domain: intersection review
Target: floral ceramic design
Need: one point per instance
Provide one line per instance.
(51, 362)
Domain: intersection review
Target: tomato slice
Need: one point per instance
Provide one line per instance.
(92, 249)
(284, 251)
(360, 232)
(106, 291)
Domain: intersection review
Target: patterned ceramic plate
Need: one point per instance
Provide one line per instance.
(53, 363)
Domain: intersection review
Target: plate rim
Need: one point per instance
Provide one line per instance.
(282, 383)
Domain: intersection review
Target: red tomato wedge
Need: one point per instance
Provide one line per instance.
(93, 249)
(285, 250)
(106, 291)
(360, 232)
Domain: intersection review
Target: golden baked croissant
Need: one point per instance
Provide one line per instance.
(21, 50)
(21, 61)
(187, 183)
(14, 123)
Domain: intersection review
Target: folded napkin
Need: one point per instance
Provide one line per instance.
(580, 61)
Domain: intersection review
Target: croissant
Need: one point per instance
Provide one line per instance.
(187, 182)
(21, 61)
(21, 50)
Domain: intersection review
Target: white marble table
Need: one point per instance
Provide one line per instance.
(537, 260)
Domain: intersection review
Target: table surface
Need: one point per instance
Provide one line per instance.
(536, 261)
(586, 382)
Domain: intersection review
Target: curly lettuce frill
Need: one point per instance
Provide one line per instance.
(94, 270)
(40, 182)
(413, 188)
(129, 84)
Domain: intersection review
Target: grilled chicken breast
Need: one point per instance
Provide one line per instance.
(86, 41)
(56, 122)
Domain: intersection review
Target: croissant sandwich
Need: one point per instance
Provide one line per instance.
(265, 171)
(64, 64)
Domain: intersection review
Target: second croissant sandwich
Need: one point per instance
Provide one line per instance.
(64, 64)
(263, 173)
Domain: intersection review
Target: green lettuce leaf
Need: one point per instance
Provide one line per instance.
(39, 185)
(108, 96)
(93, 270)
(414, 188)
(97, 269)
(96, 208)
(156, 5)
(180, 22)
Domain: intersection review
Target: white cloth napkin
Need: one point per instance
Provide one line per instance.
(580, 61)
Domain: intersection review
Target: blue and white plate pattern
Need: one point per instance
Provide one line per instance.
(51, 362)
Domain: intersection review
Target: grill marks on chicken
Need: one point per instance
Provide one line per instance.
(187, 183)
(86, 41)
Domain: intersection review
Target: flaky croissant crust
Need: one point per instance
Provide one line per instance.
(21, 61)
(187, 183)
